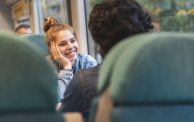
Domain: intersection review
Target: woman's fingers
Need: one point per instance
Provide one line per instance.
(57, 49)
(52, 50)
(58, 57)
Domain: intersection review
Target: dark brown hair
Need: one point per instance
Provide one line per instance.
(51, 26)
(114, 20)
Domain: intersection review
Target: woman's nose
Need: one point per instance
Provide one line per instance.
(69, 46)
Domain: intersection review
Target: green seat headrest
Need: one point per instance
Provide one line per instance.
(27, 81)
(39, 40)
(149, 68)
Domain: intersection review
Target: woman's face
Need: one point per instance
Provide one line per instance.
(67, 44)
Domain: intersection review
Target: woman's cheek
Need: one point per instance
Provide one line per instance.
(61, 50)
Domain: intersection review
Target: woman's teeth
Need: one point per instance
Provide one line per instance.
(70, 53)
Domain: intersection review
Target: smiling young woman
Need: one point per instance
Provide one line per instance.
(64, 56)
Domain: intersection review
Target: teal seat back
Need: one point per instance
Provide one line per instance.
(150, 77)
(39, 40)
(28, 86)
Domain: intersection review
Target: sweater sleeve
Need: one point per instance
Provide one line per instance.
(64, 78)
(74, 97)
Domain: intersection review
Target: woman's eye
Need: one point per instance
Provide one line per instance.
(72, 41)
(62, 44)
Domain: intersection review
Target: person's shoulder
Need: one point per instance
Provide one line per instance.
(87, 59)
(83, 73)
(90, 70)
(87, 74)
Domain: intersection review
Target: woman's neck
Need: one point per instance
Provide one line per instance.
(72, 63)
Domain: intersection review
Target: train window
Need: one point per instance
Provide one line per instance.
(170, 15)
(52, 8)
(167, 15)
(56, 9)
(93, 47)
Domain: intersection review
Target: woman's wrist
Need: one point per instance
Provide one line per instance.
(67, 67)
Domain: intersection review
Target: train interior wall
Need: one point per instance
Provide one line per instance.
(6, 22)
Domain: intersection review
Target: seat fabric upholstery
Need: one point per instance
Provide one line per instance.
(150, 68)
(168, 113)
(28, 85)
(150, 77)
(39, 40)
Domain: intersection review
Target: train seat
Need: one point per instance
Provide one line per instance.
(28, 86)
(38, 39)
(147, 78)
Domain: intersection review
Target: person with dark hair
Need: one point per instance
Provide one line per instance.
(110, 22)
(64, 57)
(23, 29)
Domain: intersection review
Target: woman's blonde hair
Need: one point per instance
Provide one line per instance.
(51, 26)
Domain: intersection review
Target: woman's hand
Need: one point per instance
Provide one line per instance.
(58, 57)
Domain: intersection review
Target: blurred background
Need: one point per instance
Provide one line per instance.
(167, 15)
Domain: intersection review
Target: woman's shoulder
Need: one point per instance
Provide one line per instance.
(84, 57)
(87, 59)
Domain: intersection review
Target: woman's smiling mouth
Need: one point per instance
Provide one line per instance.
(71, 53)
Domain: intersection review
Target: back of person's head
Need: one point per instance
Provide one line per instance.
(23, 29)
(52, 26)
(114, 20)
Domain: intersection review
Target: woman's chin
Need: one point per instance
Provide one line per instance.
(72, 59)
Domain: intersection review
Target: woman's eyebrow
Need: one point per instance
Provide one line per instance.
(62, 41)
(65, 40)
(72, 38)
